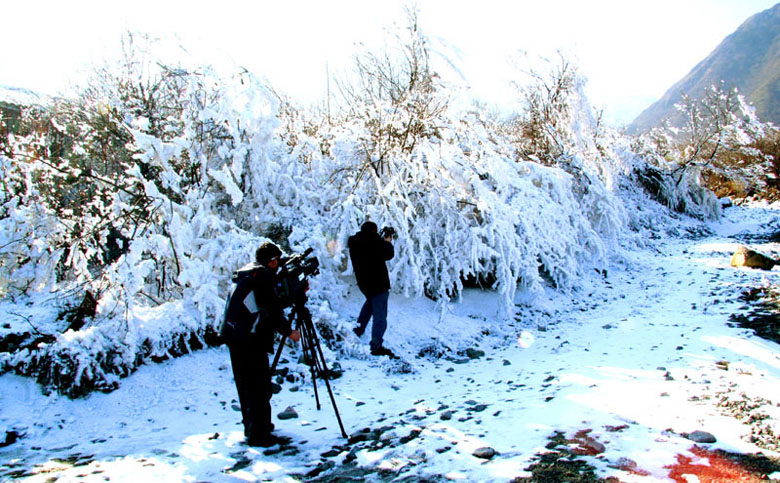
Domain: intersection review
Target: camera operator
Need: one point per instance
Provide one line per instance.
(369, 251)
(252, 316)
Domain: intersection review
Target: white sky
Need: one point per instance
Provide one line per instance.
(631, 51)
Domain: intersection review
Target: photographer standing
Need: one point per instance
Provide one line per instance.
(369, 251)
(252, 315)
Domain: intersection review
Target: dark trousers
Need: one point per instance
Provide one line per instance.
(253, 382)
(376, 307)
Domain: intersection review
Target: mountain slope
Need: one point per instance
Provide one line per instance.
(748, 59)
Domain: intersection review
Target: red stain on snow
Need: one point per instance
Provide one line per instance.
(705, 466)
(710, 467)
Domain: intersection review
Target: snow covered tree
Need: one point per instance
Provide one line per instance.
(557, 126)
(713, 152)
(125, 213)
(397, 96)
(541, 130)
(718, 140)
(769, 148)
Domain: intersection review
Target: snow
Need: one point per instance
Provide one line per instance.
(20, 96)
(638, 358)
(608, 321)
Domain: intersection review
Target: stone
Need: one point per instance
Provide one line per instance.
(331, 453)
(701, 437)
(474, 353)
(627, 464)
(282, 371)
(484, 453)
(11, 437)
(745, 257)
(586, 444)
(288, 413)
(592, 447)
(412, 435)
(335, 371)
(359, 437)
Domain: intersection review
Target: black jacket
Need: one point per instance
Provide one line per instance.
(369, 252)
(253, 312)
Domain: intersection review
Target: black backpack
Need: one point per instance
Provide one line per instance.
(237, 329)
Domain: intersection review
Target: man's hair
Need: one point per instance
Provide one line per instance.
(369, 227)
(267, 252)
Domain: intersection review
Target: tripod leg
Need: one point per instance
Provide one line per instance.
(278, 354)
(308, 353)
(311, 346)
(326, 376)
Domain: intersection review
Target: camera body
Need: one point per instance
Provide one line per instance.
(292, 279)
(388, 231)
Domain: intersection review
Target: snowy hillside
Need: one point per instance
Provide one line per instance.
(622, 375)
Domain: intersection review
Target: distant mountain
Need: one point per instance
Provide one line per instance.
(19, 96)
(748, 59)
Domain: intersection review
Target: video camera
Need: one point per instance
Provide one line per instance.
(293, 277)
(388, 231)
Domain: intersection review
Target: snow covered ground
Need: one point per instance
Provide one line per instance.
(624, 371)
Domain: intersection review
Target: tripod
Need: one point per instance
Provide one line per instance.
(312, 353)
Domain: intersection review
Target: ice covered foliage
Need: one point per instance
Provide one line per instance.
(28, 260)
(172, 210)
(712, 142)
(175, 175)
(466, 202)
(465, 209)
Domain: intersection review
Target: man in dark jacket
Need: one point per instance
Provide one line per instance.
(252, 315)
(369, 252)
